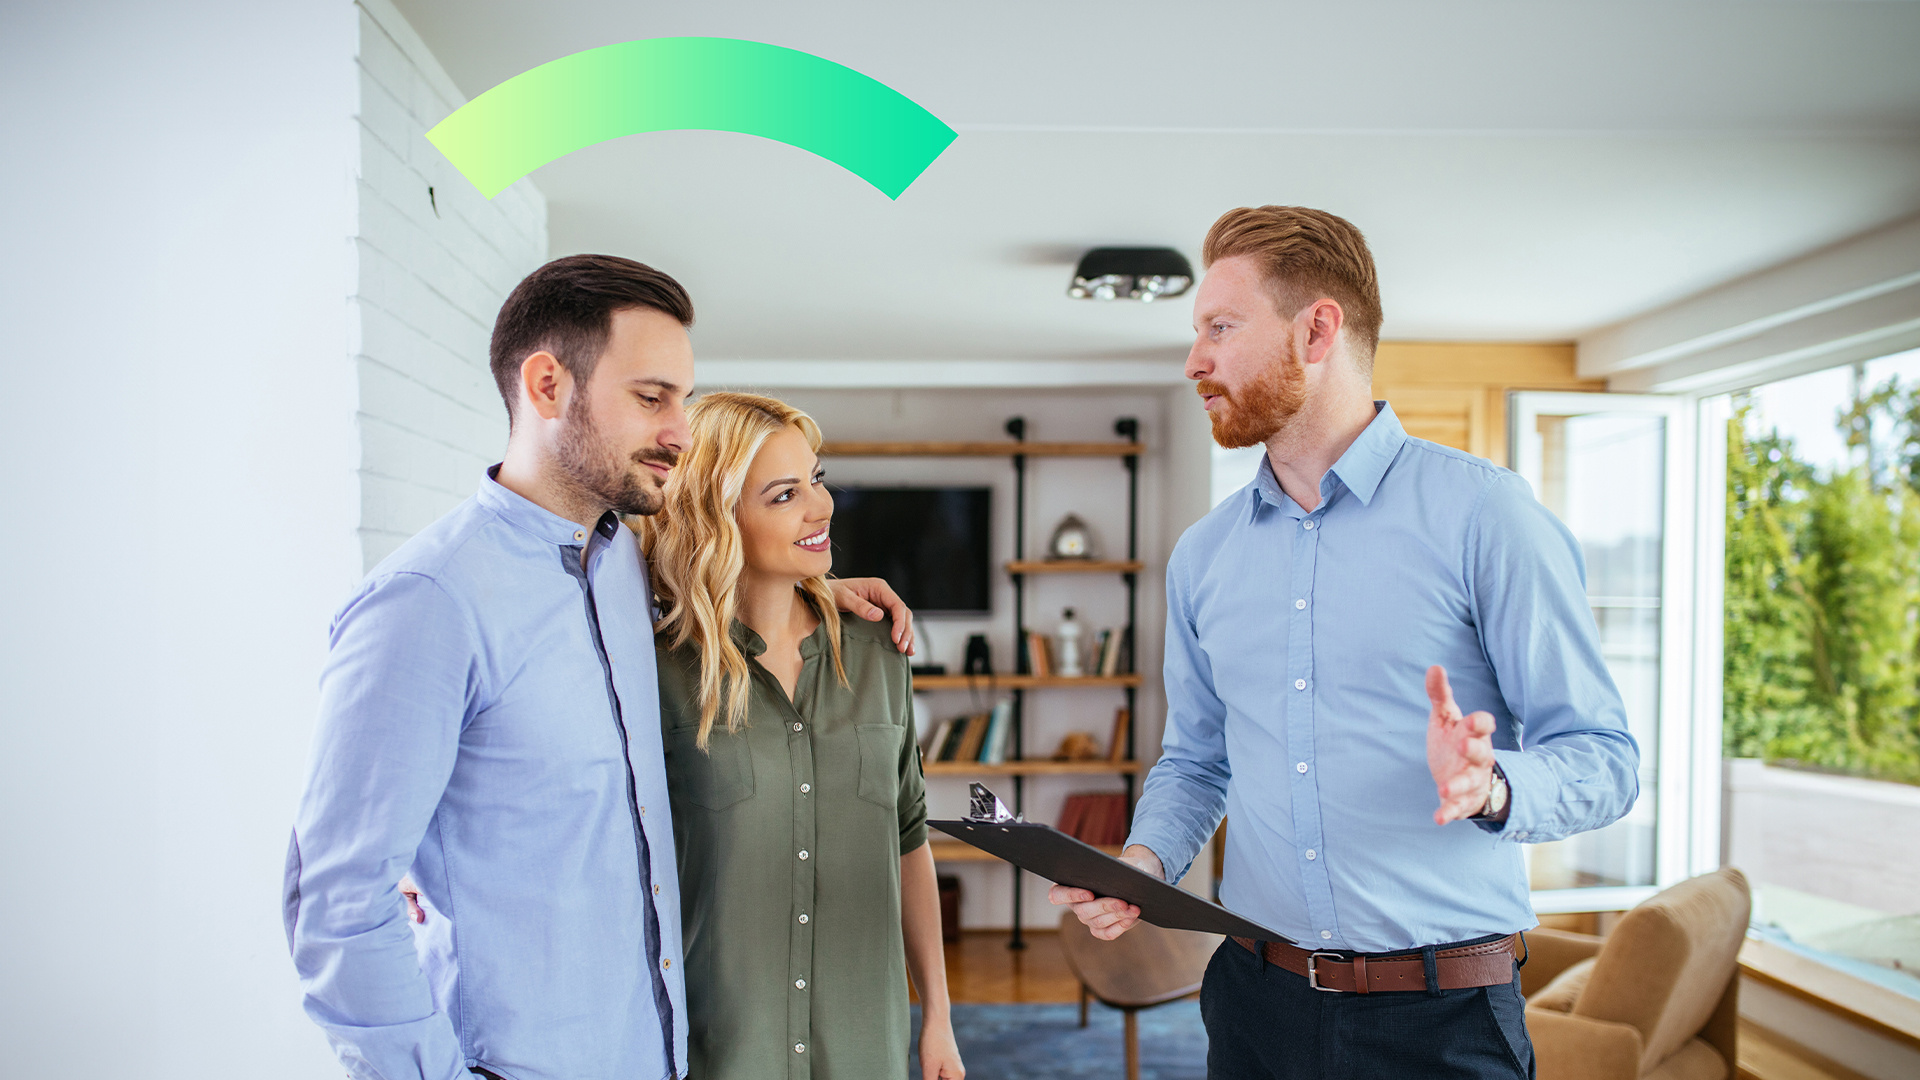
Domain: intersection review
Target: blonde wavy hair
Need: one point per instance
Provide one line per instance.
(694, 550)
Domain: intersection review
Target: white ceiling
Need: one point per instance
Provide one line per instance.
(1524, 171)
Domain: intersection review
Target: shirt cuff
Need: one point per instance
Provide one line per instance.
(913, 837)
(1161, 848)
(1530, 795)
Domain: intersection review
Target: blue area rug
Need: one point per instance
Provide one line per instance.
(1046, 1042)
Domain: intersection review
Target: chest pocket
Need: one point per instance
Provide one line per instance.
(880, 762)
(715, 778)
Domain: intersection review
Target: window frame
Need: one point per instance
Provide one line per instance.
(1686, 779)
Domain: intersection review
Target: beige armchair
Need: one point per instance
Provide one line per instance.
(1658, 998)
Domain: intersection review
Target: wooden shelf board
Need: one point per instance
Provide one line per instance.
(1040, 767)
(1018, 682)
(1076, 566)
(981, 449)
(956, 851)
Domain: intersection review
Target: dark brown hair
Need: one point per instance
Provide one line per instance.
(566, 308)
(1304, 255)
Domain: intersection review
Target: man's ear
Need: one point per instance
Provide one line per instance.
(1323, 320)
(544, 385)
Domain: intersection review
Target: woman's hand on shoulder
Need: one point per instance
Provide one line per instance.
(873, 599)
(939, 1053)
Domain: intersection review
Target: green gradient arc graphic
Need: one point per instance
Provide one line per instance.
(713, 84)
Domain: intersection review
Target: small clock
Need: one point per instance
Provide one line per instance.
(1071, 539)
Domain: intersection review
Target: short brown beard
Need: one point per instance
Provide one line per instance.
(597, 472)
(1263, 407)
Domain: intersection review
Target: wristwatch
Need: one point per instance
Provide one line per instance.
(1496, 808)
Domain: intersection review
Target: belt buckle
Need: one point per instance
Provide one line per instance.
(1313, 972)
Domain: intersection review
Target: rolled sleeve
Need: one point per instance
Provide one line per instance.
(1575, 767)
(1185, 794)
(401, 677)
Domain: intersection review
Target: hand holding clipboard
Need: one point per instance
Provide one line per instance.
(1064, 860)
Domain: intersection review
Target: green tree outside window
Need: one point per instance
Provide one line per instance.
(1823, 593)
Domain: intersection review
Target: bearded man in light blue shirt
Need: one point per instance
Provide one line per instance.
(489, 723)
(1322, 626)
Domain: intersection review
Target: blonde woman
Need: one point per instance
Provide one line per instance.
(799, 810)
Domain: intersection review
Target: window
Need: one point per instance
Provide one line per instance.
(1822, 663)
(1617, 470)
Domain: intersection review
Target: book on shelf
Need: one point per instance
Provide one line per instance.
(930, 750)
(969, 749)
(1110, 642)
(1072, 813)
(1097, 818)
(956, 736)
(1117, 744)
(999, 731)
(1039, 654)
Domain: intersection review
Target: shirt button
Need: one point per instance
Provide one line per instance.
(803, 917)
(799, 984)
(1299, 684)
(1300, 768)
(797, 725)
(643, 811)
(1311, 855)
(579, 534)
(1306, 524)
(803, 855)
(666, 963)
(806, 789)
(799, 1048)
(1326, 935)
(1300, 605)
(656, 890)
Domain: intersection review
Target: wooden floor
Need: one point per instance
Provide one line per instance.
(981, 970)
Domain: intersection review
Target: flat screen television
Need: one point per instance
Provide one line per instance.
(932, 544)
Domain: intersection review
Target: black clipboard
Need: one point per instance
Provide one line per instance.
(1061, 859)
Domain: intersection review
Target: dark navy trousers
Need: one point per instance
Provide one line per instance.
(1265, 1023)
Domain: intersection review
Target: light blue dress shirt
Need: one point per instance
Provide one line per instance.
(1297, 650)
(489, 722)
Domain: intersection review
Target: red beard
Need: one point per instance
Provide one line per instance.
(1262, 407)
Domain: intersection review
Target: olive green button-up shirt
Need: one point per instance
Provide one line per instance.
(789, 834)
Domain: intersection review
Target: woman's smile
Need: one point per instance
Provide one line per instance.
(817, 542)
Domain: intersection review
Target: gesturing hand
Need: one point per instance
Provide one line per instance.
(1459, 752)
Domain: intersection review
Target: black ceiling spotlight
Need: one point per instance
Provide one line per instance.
(1143, 274)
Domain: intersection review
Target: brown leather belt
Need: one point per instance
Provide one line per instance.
(1489, 963)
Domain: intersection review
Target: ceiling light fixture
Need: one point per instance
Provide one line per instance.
(1143, 274)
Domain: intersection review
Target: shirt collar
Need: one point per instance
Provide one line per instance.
(1365, 463)
(528, 516)
(746, 639)
(752, 644)
(1360, 469)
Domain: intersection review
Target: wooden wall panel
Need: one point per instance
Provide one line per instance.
(1455, 393)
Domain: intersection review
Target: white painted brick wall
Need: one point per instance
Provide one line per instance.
(430, 272)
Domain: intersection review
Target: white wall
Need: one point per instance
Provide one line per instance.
(433, 260)
(180, 504)
(1171, 472)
